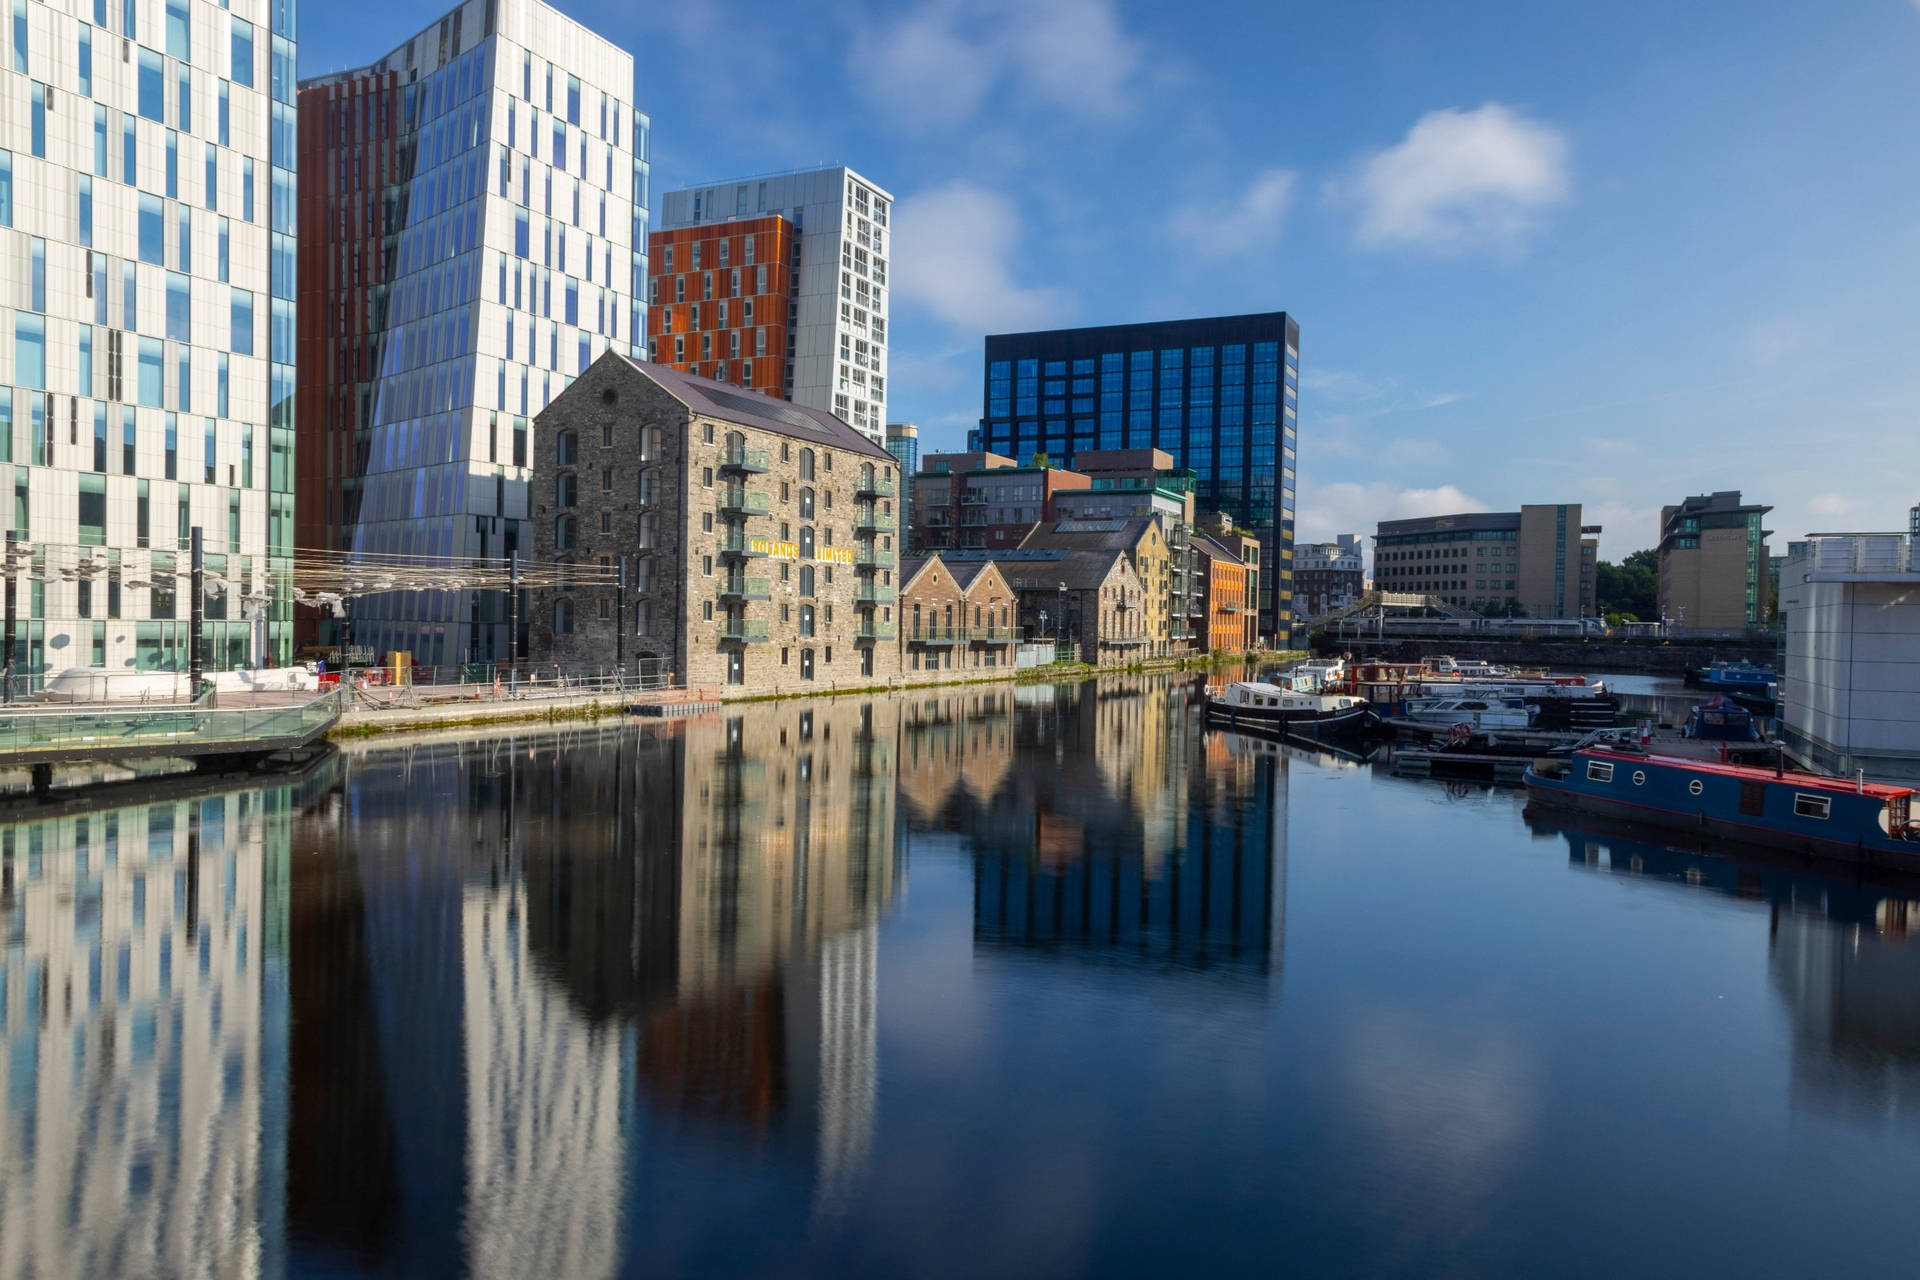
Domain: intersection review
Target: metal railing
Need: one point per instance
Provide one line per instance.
(938, 635)
(877, 485)
(874, 631)
(873, 594)
(736, 543)
(42, 733)
(746, 589)
(744, 631)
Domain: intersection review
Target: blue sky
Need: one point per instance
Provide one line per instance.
(1611, 254)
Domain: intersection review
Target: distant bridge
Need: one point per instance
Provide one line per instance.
(1375, 601)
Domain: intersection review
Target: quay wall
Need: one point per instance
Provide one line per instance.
(1640, 656)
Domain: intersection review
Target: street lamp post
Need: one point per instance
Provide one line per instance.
(1060, 620)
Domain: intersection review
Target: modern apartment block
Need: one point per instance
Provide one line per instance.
(1713, 562)
(784, 274)
(146, 189)
(1538, 562)
(1328, 575)
(474, 236)
(759, 535)
(1220, 395)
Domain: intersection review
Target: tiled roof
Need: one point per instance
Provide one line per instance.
(1078, 570)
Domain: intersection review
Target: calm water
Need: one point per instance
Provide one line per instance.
(1016, 982)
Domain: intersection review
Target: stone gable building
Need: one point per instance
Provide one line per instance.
(760, 536)
(954, 618)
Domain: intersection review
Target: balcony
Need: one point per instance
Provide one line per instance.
(874, 486)
(973, 499)
(992, 634)
(1124, 642)
(869, 521)
(870, 631)
(737, 588)
(741, 458)
(974, 518)
(872, 593)
(867, 557)
(737, 501)
(939, 635)
(743, 631)
(741, 546)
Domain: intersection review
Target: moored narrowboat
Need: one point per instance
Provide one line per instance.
(1283, 708)
(1804, 812)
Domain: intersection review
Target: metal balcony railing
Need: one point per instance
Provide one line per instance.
(736, 500)
(744, 631)
(738, 588)
(939, 635)
(875, 630)
(873, 593)
(742, 545)
(876, 486)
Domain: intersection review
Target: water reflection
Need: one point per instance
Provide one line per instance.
(1840, 955)
(1121, 833)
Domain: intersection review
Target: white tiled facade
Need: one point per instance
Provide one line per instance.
(843, 223)
(146, 313)
(522, 257)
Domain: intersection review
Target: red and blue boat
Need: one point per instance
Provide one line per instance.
(1815, 814)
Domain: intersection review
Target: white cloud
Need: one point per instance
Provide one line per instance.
(1253, 219)
(953, 251)
(935, 63)
(1350, 507)
(1458, 180)
(1444, 398)
(1829, 505)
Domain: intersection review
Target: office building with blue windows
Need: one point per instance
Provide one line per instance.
(146, 385)
(474, 236)
(1221, 395)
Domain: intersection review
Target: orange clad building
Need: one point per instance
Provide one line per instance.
(722, 301)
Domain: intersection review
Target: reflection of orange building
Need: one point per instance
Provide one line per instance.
(722, 294)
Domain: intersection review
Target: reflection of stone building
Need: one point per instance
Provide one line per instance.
(142, 1024)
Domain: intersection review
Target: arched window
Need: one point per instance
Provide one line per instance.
(566, 449)
(806, 542)
(916, 622)
(806, 580)
(566, 533)
(866, 476)
(649, 444)
(806, 503)
(806, 464)
(566, 490)
(806, 619)
(563, 617)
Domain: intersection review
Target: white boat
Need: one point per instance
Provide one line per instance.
(1286, 707)
(1479, 712)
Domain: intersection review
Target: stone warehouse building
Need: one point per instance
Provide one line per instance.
(759, 535)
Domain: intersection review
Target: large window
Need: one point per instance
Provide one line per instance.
(242, 72)
(240, 339)
(29, 349)
(152, 97)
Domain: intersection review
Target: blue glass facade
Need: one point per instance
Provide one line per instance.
(1221, 395)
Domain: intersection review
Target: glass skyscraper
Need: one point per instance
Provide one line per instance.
(1220, 395)
(476, 230)
(146, 220)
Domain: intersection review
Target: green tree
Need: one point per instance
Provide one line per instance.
(1629, 590)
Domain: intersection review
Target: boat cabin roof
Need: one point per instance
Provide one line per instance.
(1757, 773)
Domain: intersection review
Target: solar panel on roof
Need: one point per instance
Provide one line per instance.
(764, 407)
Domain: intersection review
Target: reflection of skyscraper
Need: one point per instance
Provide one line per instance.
(1169, 849)
(139, 1037)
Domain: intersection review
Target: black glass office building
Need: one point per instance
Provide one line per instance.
(1221, 395)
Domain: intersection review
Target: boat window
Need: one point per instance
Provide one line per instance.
(1753, 798)
(1599, 771)
(1639, 777)
(1806, 806)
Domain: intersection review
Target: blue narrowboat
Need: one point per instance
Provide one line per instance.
(1802, 812)
(1753, 685)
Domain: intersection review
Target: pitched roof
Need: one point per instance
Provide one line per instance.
(1077, 570)
(966, 571)
(733, 404)
(1086, 535)
(1211, 546)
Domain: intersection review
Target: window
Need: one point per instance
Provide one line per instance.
(1599, 771)
(240, 339)
(566, 490)
(6, 188)
(242, 69)
(566, 449)
(1806, 806)
(29, 349)
(566, 533)
(563, 617)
